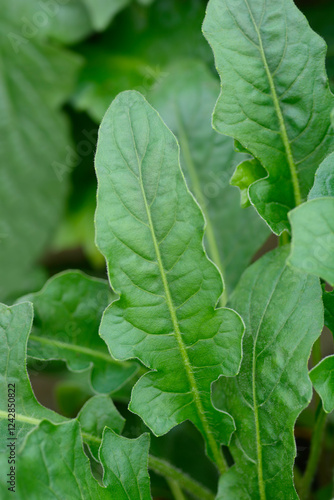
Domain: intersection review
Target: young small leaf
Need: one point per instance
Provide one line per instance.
(312, 225)
(322, 378)
(122, 459)
(312, 246)
(275, 96)
(328, 298)
(324, 179)
(283, 313)
(99, 412)
(15, 325)
(150, 230)
(245, 174)
(68, 312)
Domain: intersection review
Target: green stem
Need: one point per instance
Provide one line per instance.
(196, 185)
(297, 478)
(315, 452)
(316, 358)
(188, 484)
(175, 489)
(284, 239)
(316, 352)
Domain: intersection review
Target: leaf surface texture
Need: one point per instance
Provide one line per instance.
(275, 98)
(283, 313)
(150, 230)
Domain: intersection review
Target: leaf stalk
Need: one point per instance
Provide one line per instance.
(316, 448)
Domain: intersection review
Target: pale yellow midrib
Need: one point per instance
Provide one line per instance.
(200, 410)
(36, 421)
(21, 418)
(284, 134)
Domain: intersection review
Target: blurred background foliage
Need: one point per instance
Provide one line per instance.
(62, 62)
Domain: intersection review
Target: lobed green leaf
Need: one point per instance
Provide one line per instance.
(312, 224)
(125, 463)
(283, 313)
(68, 312)
(150, 230)
(52, 463)
(275, 98)
(96, 414)
(322, 378)
(15, 325)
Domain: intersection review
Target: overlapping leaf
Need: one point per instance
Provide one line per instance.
(322, 377)
(68, 312)
(15, 325)
(328, 298)
(185, 97)
(150, 230)
(324, 180)
(50, 462)
(53, 465)
(125, 464)
(313, 227)
(283, 313)
(275, 97)
(96, 414)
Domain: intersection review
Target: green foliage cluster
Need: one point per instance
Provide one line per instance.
(188, 372)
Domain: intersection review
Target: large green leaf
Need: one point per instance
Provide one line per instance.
(283, 312)
(185, 98)
(34, 149)
(68, 312)
(15, 324)
(275, 97)
(322, 377)
(313, 227)
(150, 230)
